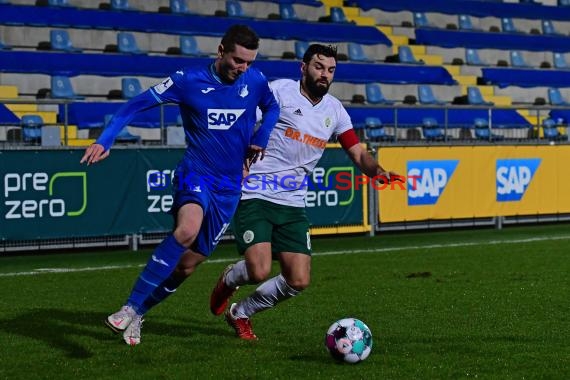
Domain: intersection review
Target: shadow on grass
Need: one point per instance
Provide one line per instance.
(64, 330)
(59, 329)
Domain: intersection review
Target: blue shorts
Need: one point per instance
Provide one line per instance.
(218, 209)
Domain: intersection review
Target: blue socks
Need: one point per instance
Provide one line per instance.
(158, 268)
(159, 294)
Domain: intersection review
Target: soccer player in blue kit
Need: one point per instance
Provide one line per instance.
(218, 107)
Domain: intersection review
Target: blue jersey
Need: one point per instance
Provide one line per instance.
(219, 119)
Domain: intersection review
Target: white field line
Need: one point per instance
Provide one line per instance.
(325, 253)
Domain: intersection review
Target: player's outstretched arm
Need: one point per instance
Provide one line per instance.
(94, 153)
(368, 165)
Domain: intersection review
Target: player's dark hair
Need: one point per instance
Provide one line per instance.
(241, 35)
(326, 50)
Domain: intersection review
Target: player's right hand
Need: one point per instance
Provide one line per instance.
(94, 153)
(254, 153)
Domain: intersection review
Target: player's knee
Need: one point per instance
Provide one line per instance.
(258, 274)
(185, 235)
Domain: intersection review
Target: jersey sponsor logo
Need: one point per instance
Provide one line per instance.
(207, 90)
(513, 177)
(305, 138)
(163, 86)
(427, 180)
(223, 119)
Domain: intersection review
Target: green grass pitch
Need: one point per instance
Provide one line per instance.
(463, 304)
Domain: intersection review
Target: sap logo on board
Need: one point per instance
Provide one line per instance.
(223, 119)
(513, 177)
(427, 180)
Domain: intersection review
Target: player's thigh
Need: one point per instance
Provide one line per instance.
(258, 261)
(252, 226)
(189, 205)
(188, 222)
(217, 218)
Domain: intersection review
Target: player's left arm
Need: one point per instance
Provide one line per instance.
(270, 114)
(364, 160)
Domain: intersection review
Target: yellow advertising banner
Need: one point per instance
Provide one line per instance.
(475, 181)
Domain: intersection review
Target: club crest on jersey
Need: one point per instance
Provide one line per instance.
(328, 122)
(223, 119)
(163, 86)
(243, 92)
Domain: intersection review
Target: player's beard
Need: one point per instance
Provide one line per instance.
(315, 89)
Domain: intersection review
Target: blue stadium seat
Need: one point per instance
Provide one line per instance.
(405, 55)
(420, 20)
(564, 3)
(32, 128)
(483, 132)
(130, 87)
(287, 12)
(337, 15)
(126, 43)
(517, 60)
(124, 136)
(179, 6)
(4, 46)
(508, 25)
(61, 88)
(472, 58)
(474, 97)
(121, 5)
(555, 98)
(550, 130)
(559, 61)
(300, 48)
(375, 130)
(374, 94)
(234, 9)
(356, 53)
(549, 29)
(59, 40)
(431, 130)
(189, 46)
(426, 96)
(59, 3)
(464, 22)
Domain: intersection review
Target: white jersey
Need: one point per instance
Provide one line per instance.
(295, 145)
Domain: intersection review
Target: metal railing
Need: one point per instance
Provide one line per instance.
(402, 124)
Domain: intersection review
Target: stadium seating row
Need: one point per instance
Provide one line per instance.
(469, 94)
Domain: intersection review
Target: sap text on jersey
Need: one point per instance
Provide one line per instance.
(223, 119)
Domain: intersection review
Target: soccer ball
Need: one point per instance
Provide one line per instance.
(349, 340)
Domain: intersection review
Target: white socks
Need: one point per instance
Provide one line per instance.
(266, 296)
(237, 276)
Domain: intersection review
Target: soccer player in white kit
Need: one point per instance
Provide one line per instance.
(270, 221)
